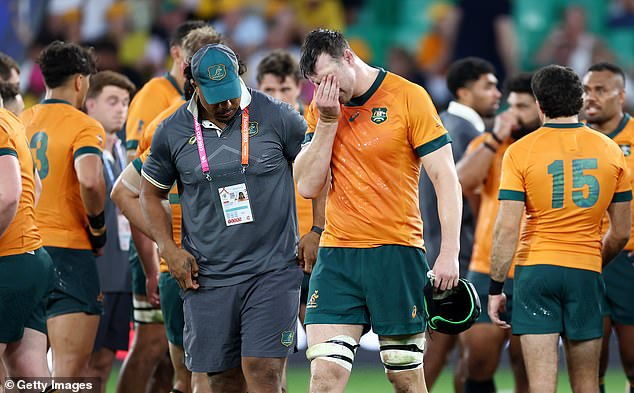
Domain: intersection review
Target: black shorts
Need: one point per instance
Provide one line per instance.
(114, 325)
(255, 318)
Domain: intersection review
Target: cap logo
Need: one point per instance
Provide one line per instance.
(217, 72)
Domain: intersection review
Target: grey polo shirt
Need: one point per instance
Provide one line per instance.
(462, 131)
(113, 266)
(228, 255)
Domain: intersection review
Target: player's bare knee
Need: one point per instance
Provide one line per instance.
(266, 375)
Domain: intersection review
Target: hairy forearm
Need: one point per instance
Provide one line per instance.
(154, 211)
(319, 207)
(473, 169)
(612, 245)
(146, 249)
(312, 165)
(504, 244)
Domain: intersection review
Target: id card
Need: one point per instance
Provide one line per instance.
(235, 204)
(123, 227)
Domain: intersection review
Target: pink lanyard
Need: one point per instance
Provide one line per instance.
(202, 152)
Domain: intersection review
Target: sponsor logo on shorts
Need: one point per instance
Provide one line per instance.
(192, 139)
(312, 302)
(414, 310)
(287, 338)
(100, 297)
(379, 115)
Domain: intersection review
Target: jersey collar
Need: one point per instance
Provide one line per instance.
(55, 101)
(171, 79)
(466, 112)
(362, 99)
(620, 127)
(564, 125)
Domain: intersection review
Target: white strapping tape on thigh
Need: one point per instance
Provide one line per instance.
(402, 354)
(339, 349)
(145, 313)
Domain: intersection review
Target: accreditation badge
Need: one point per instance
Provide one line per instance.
(123, 227)
(236, 206)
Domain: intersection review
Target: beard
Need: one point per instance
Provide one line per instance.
(525, 129)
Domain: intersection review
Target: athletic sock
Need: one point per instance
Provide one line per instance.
(471, 386)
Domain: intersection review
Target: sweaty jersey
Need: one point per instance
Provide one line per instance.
(489, 204)
(59, 135)
(623, 135)
(567, 175)
(22, 234)
(156, 95)
(143, 151)
(376, 163)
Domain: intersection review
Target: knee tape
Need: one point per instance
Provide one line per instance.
(339, 349)
(402, 354)
(145, 313)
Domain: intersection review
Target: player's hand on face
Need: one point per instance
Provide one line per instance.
(504, 124)
(308, 247)
(183, 268)
(152, 290)
(497, 305)
(327, 99)
(446, 272)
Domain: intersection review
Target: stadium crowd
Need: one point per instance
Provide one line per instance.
(214, 172)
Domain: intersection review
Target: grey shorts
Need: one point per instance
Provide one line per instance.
(255, 318)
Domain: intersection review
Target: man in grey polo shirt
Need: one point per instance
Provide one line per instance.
(230, 150)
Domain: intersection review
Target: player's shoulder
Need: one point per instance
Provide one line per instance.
(398, 85)
(156, 86)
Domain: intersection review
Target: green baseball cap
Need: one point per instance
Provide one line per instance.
(215, 70)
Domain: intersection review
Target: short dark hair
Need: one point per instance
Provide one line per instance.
(6, 65)
(610, 67)
(183, 29)
(59, 61)
(317, 42)
(520, 83)
(465, 71)
(558, 91)
(281, 64)
(109, 78)
(8, 91)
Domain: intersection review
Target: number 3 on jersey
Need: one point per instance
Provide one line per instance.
(579, 182)
(39, 142)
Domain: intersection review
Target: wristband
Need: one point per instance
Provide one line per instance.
(495, 287)
(98, 221)
(498, 140)
(97, 240)
(490, 147)
(317, 230)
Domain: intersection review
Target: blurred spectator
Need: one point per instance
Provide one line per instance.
(572, 45)
(485, 29)
(402, 63)
(107, 52)
(313, 14)
(242, 27)
(621, 14)
(434, 50)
